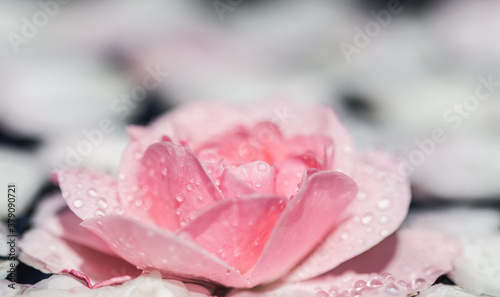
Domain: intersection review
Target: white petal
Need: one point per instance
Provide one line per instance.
(146, 285)
(440, 290)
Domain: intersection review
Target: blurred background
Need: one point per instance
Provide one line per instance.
(419, 78)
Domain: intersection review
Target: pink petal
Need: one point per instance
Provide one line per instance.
(255, 177)
(89, 194)
(307, 218)
(380, 207)
(236, 230)
(290, 174)
(51, 254)
(406, 262)
(152, 248)
(173, 185)
(66, 225)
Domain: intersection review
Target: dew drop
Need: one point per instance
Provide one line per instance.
(118, 210)
(121, 176)
(418, 283)
(375, 283)
(65, 194)
(401, 282)
(262, 166)
(79, 185)
(383, 220)
(365, 220)
(384, 204)
(189, 187)
(343, 236)
(361, 195)
(138, 156)
(102, 203)
(197, 182)
(164, 171)
(179, 197)
(78, 203)
(258, 185)
(360, 284)
(392, 290)
(322, 294)
(92, 193)
(384, 233)
(99, 212)
(388, 277)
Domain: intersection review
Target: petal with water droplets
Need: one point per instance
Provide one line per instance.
(378, 210)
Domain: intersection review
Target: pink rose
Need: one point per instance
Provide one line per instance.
(237, 197)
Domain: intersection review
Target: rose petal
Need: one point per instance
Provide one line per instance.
(66, 225)
(380, 207)
(404, 263)
(173, 181)
(478, 268)
(89, 194)
(236, 230)
(255, 177)
(157, 249)
(145, 285)
(51, 254)
(307, 218)
(441, 290)
(291, 172)
(183, 126)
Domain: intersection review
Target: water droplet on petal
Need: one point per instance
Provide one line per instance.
(92, 193)
(392, 290)
(383, 220)
(121, 176)
(262, 166)
(99, 212)
(361, 195)
(366, 219)
(418, 283)
(189, 187)
(78, 203)
(322, 294)
(65, 194)
(257, 185)
(375, 283)
(102, 203)
(179, 197)
(360, 284)
(384, 204)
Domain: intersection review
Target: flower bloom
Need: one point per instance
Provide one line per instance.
(234, 196)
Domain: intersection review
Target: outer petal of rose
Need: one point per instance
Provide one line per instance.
(258, 176)
(378, 210)
(307, 218)
(89, 194)
(173, 185)
(51, 254)
(145, 285)
(404, 263)
(237, 230)
(152, 248)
